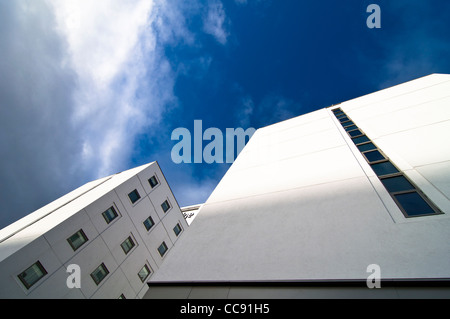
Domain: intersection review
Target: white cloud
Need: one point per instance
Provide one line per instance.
(80, 81)
(105, 52)
(214, 20)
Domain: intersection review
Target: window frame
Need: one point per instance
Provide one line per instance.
(116, 214)
(136, 192)
(384, 159)
(129, 248)
(147, 267)
(169, 206)
(83, 235)
(157, 181)
(22, 279)
(164, 245)
(150, 219)
(435, 210)
(180, 229)
(104, 268)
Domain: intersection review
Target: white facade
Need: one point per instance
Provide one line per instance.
(44, 236)
(302, 203)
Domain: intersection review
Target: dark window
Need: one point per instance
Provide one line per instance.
(32, 274)
(384, 168)
(366, 147)
(344, 119)
(143, 273)
(165, 206)
(99, 273)
(348, 123)
(361, 139)
(397, 184)
(148, 223)
(373, 156)
(355, 133)
(153, 181)
(351, 127)
(134, 196)
(177, 229)
(127, 245)
(110, 214)
(162, 249)
(413, 204)
(77, 239)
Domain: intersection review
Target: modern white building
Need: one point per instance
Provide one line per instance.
(313, 206)
(105, 239)
(316, 205)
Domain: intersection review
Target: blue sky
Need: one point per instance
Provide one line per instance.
(91, 88)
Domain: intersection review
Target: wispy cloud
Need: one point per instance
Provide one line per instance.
(81, 80)
(114, 51)
(214, 22)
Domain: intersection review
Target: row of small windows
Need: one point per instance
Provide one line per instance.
(411, 201)
(36, 271)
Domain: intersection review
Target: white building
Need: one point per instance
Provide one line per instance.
(117, 230)
(312, 202)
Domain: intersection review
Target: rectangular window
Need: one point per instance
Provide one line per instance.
(99, 273)
(413, 204)
(162, 249)
(355, 133)
(397, 184)
(153, 181)
(360, 139)
(165, 206)
(127, 245)
(77, 239)
(384, 168)
(32, 274)
(351, 127)
(366, 147)
(348, 123)
(148, 223)
(374, 156)
(110, 214)
(134, 196)
(177, 229)
(144, 273)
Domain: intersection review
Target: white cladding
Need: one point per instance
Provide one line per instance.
(300, 202)
(42, 236)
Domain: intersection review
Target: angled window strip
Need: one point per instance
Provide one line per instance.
(408, 197)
